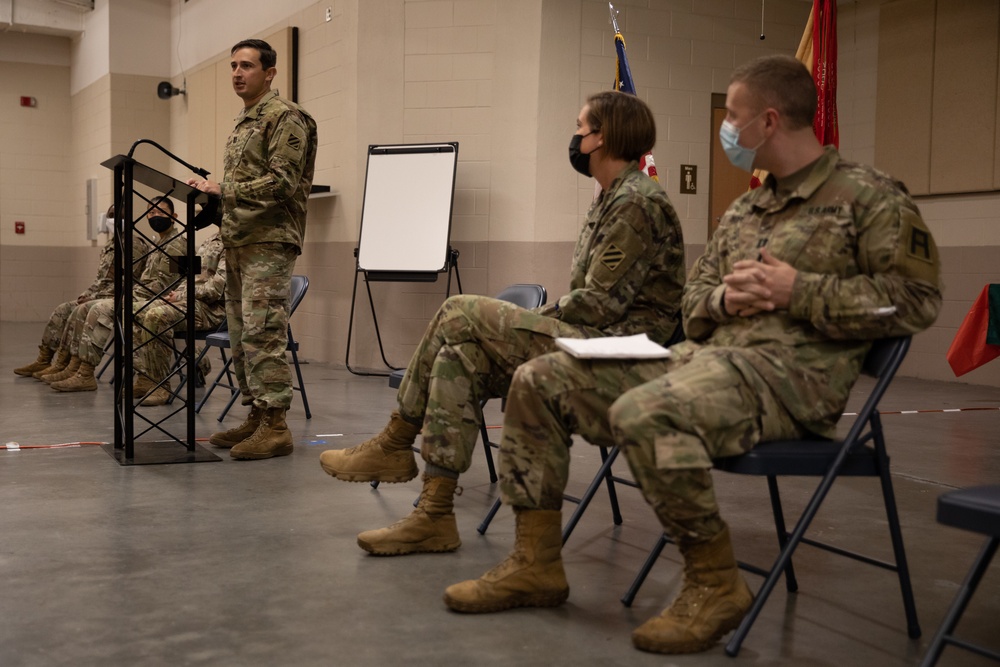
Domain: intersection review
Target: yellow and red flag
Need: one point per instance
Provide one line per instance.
(818, 52)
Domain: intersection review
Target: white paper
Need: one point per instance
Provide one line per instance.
(613, 347)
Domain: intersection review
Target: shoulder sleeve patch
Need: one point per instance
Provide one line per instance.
(918, 245)
(612, 257)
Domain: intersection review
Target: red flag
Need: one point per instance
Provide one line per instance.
(969, 350)
(824, 71)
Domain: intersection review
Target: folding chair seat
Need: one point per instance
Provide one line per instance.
(220, 339)
(199, 336)
(976, 509)
(862, 452)
(604, 475)
(525, 295)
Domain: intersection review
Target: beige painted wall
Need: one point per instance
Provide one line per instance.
(505, 78)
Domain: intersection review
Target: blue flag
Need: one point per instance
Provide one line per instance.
(624, 83)
(623, 75)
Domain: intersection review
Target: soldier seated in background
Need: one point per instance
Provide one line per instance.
(801, 275)
(61, 337)
(152, 353)
(156, 276)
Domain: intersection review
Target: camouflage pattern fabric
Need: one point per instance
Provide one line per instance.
(57, 324)
(153, 354)
(156, 278)
(268, 170)
(867, 268)
(628, 266)
(258, 284)
(627, 277)
(74, 326)
(60, 329)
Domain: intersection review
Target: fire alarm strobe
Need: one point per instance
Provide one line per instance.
(28, 101)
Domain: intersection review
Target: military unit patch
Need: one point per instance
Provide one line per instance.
(294, 142)
(612, 257)
(919, 245)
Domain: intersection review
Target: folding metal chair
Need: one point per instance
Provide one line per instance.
(525, 295)
(220, 339)
(861, 453)
(976, 509)
(199, 336)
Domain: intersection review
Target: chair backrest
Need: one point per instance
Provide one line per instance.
(300, 285)
(885, 356)
(524, 295)
(882, 361)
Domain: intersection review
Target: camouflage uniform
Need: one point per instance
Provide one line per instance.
(269, 163)
(867, 268)
(152, 355)
(156, 278)
(60, 329)
(627, 276)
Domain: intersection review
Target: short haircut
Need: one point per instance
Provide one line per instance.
(268, 56)
(781, 83)
(155, 202)
(625, 121)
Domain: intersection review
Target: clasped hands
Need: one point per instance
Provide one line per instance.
(757, 286)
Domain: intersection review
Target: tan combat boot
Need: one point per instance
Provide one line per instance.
(430, 527)
(712, 602)
(234, 436)
(388, 457)
(531, 576)
(71, 369)
(84, 380)
(42, 362)
(272, 438)
(158, 396)
(59, 362)
(142, 386)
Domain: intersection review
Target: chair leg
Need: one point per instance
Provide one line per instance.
(957, 608)
(791, 583)
(489, 517)
(616, 513)
(644, 570)
(487, 445)
(232, 399)
(588, 495)
(785, 557)
(293, 347)
(217, 381)
(902, 569)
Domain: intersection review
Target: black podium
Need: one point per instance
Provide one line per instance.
(132, 420)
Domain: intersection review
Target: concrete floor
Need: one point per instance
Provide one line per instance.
(255, 563)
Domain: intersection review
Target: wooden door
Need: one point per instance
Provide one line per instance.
(726, 182)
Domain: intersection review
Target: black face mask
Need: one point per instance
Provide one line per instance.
(160, 223)
(579, 160)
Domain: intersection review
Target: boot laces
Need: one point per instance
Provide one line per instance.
(691, 599)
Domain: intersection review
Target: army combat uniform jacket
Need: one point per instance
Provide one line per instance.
(628, 266)
(867, 268)
(269, 164)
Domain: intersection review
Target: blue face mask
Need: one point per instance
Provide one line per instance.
(740, 156)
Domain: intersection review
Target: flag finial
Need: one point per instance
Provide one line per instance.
(614, 17)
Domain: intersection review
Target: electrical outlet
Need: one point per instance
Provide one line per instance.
(329, 14)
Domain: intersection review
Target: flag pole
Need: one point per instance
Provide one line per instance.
(614, 17)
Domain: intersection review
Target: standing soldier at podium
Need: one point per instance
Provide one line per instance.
(268, 172)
